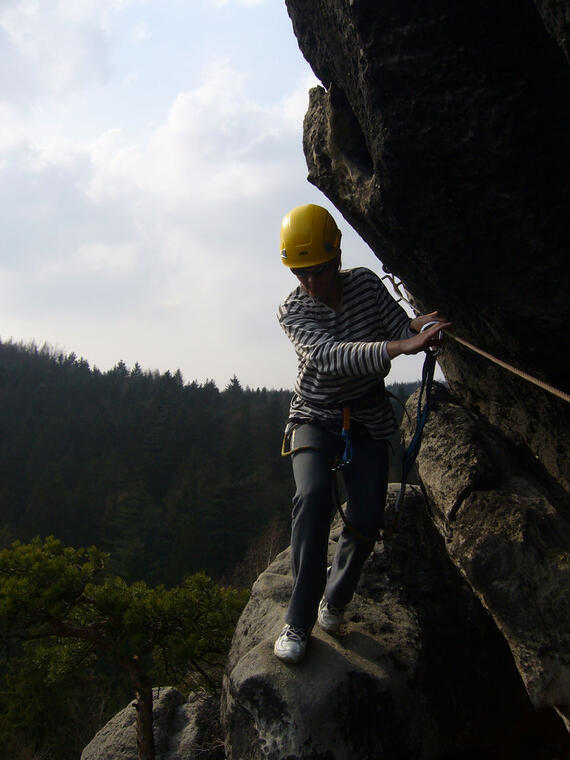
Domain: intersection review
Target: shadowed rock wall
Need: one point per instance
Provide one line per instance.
(556, 17)
(441, 134)
(505, 537)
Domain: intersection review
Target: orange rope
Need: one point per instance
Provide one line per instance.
(514, 370)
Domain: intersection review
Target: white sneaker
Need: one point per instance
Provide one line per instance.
(291, 644)
(330, 618)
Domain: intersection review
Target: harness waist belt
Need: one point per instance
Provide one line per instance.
(374, 397)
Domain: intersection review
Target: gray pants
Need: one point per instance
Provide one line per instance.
(365, 482)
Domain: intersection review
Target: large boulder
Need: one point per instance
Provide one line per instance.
(420, 670)
(507, 538)
(184, 729)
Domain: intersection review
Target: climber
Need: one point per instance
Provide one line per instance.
(345, 328)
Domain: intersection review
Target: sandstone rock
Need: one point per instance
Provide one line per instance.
(556, 16)
(182, 730)
(508, 539)
(419, 671)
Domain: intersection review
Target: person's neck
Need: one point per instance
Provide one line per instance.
(332, 299)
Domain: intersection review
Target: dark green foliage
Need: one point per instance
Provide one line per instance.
(61, 615)
(169, 478)
(402, 392)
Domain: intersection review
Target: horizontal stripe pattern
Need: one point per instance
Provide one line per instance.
(341, 355)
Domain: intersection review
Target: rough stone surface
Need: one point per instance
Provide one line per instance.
(182, 730)
(556, 17)
(441, 134)
(420, 670)
(506, 537)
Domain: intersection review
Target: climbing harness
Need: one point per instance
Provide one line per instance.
(338, 465)
(371, 398)
(409, 457)
(288, 448)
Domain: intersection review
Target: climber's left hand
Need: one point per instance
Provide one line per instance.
(418, 322)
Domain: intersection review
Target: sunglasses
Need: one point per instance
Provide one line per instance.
(315, 271)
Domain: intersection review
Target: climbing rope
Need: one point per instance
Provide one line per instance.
(514, 370)
(398, 286)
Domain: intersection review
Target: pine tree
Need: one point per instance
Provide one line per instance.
(52, 593)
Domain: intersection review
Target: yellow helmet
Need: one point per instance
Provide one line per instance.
(309, 236)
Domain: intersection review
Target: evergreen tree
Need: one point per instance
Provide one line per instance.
(56, 594)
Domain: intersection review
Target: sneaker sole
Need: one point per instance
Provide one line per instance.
(290, 660)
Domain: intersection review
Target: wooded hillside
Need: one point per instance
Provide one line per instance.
(169, 477)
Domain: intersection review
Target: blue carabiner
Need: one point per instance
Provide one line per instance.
(347, 453)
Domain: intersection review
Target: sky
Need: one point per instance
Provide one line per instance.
(148, 152)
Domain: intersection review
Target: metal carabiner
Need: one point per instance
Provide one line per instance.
(435, 350)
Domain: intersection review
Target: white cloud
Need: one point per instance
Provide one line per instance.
(101, 257)
(141, 32)
(160, 244)
(51, 47)
(215, 148)
(244, 3)
(168, 229)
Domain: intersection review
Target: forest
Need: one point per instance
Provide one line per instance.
(167, 478)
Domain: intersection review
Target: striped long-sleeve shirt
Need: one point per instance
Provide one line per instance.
(342, 354)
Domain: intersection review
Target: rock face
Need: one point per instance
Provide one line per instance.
(556, 17)
(441, 134)
(420, 670)
(182, 730)
(506, 537)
